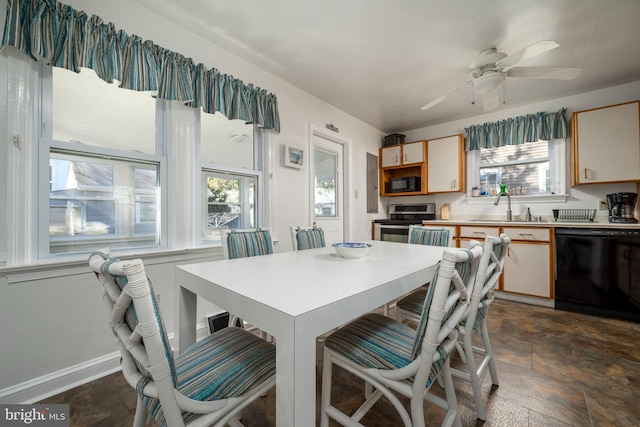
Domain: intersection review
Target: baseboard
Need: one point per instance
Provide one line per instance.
(526, 299)
(57, 382)
(48, 385)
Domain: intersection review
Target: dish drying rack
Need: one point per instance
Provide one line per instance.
(586, 215)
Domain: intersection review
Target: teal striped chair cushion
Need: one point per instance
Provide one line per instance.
(223, 365)
(379, 342)
(429, 236)
(244, 244)
(310, 239)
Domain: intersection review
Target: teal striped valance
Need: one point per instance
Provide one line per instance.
(517, 130)
(64, 37)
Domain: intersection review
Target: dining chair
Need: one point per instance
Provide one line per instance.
(489, 272)
(209, 383)
(420, 235)
(307, 238)
(243, 243)
(398, 360)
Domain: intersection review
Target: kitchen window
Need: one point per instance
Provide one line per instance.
(532, 169)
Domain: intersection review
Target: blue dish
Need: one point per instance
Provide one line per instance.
(351, 249)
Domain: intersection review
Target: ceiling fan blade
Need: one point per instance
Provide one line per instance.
(557, 73)
(441, 98)
(538, 48)
(491, 100)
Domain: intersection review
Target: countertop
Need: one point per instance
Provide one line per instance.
(543, 224)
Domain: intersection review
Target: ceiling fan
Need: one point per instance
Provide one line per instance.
(492, 68)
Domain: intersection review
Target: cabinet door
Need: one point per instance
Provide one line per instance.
(607, 144)
(527, 269)
(413, 152)
(390, 156)
(445, 164)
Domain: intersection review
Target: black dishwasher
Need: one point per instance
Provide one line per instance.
(598, 271)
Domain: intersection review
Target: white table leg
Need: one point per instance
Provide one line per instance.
(295, 377)
(186, 328)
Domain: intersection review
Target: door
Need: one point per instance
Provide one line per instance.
(329, 186)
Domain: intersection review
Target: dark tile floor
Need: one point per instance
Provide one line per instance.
(556, 368)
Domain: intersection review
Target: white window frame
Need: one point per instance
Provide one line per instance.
(261, 162)
(557, 168)
(46, 144)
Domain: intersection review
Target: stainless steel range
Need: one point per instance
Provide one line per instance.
(396, 228)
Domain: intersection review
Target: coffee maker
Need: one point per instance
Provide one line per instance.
(621, 206)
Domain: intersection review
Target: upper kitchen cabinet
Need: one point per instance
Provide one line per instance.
(403, 154)
(403, 161)
(446, 164)
(606, 144)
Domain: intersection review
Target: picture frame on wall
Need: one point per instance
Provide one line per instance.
(293, 157)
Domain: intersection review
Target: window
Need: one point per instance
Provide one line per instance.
(230, 203)
(231, 176)
(100, 200)
(326, 177)
(527, 169)
(104, 176)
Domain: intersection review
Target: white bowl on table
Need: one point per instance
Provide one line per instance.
(351, 249)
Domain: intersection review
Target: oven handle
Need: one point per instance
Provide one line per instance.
(394, 226)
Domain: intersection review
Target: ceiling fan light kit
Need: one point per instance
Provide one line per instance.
(488, 82)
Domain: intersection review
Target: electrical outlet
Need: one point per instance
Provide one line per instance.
(603, 205)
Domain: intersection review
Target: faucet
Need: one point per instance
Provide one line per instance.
(504, 193)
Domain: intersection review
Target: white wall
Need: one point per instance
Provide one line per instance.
(54, 331)
(584, 196)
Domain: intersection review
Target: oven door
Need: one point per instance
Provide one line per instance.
(392, 233)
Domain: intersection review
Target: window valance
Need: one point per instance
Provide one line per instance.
(50, 31)
(517, 130)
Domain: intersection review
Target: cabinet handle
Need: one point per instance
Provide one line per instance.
(585, 173)
(397, 159)
(525, 234)
(405, 158)
(453, 184)
(479, 233)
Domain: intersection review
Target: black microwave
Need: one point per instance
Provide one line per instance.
(404, 184)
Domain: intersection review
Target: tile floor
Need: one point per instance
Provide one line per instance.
(556, 368)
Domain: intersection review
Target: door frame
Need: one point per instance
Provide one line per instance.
(345, 142)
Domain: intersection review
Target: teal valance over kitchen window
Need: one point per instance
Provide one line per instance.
(517, 130)
(61, 36)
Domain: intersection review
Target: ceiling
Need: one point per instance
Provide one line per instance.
(382, 60)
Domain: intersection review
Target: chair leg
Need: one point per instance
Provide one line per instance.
(140, 417)
(473, 376)
(453, 414)
(325, 401)
(489, 352)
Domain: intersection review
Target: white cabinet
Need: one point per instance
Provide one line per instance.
(445, 164)
(390, 156)
(413, 152)
(528, 267)
(606, 144)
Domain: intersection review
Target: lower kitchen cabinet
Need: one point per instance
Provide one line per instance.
(528, 267)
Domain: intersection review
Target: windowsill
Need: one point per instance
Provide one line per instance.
(525, 198)
(73, 266)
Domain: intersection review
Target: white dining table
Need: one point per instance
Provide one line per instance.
(297, 296)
